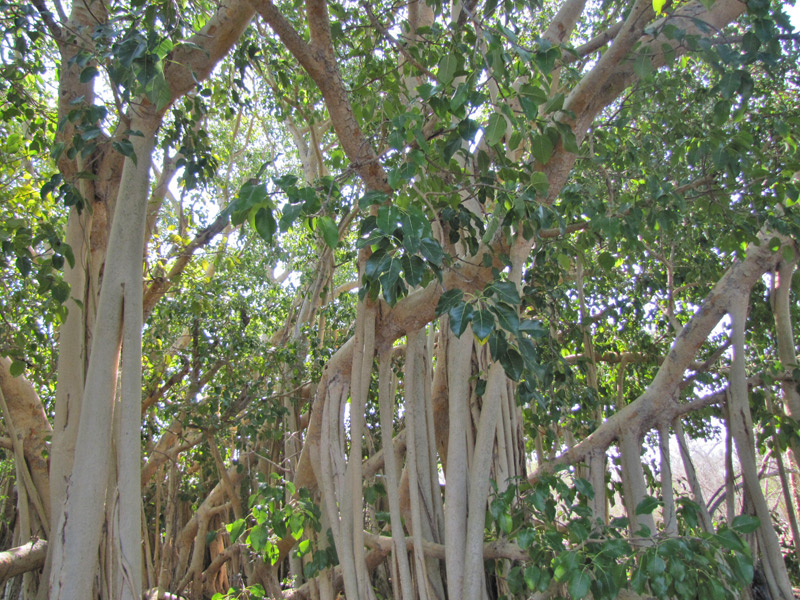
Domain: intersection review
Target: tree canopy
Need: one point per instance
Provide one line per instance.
(399, 299)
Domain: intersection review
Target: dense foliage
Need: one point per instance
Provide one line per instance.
(427, 291)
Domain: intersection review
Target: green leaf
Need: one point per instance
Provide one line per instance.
(432, 251)
(377, 264)
(646, 506)
(265, 224)
(513, 364)
(451, 146)
(460, 317)
(388, 218)
(448, 300)
(745, 524)
(534, 328)
(658, 6)
(643, 65)
(565, 564)
(371, 198)
(506, 292)
(251, 194)
(88, 74)
(414, 269)
(329, 231)
(24, 265)
(495, 129)
(579, 585)
(17, 368)
(584, 487)
(540, 183)
(482, 324)
(742, 567)
(60, 292)
(258, 538)
(236, 529)
(532, 574)
(125, 147)
(525, 538)
(606, 261)
(159, 92)
(447, 68)
(507, 317)
(542, 148)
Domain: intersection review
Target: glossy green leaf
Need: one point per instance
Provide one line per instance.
(460, 317)
(125, 147)
(482, 324)
(513, 364)
(505, 291)
(507, 317)
(448, 300)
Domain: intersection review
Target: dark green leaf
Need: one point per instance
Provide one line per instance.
(377, 264)
(460, 317)
(448, 300)
(432, 251)
(482, 324)
(565, 565)
(513, 364)
(371, 198)
(507, 317)
(388, 218)
(584, 487)
(506, 292)
(88, 74)
(414, 269)
(125, 147)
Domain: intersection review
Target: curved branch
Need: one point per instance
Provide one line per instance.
(659, 400)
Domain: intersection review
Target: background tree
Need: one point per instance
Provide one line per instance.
(391, 298)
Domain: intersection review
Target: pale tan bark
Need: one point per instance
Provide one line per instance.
(28, 425)
(22, 559)
(386, 393)
(742, 432)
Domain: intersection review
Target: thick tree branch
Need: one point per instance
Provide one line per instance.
(28, 557)
(320, 64)
(563, 24)
(194, 61)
